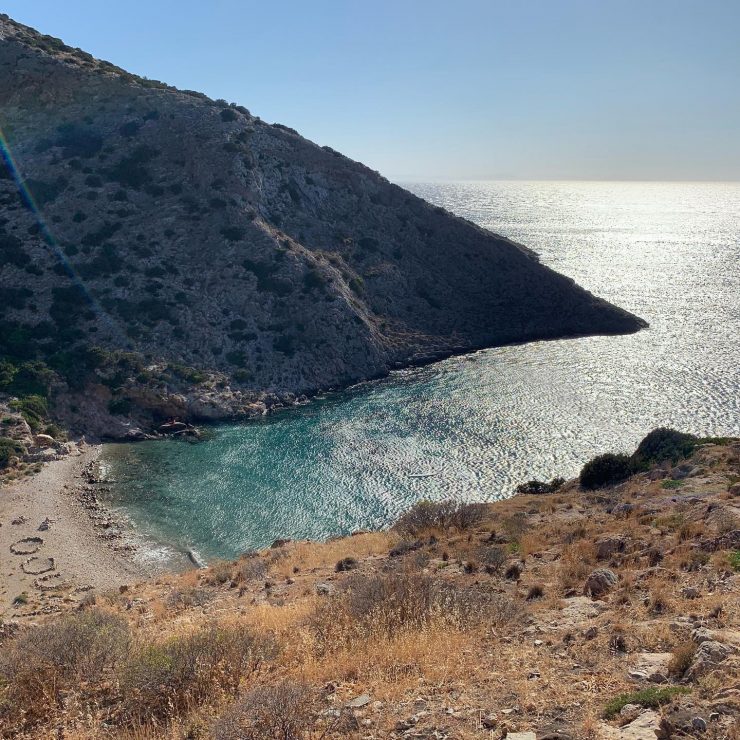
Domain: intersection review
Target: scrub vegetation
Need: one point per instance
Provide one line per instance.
(462, 619)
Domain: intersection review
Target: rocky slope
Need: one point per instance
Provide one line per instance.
(237, 263)
(572, 615)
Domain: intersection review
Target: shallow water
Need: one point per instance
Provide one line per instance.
(669, 252)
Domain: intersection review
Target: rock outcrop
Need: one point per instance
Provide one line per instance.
(236, 263)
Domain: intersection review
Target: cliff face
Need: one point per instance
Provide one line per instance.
(236, 258)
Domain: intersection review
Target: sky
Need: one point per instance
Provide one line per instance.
(450, 89)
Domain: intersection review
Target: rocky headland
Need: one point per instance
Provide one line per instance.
(164, 255)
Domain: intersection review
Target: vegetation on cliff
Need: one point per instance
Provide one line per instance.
(163, 254)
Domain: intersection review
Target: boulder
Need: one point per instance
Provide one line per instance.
(651, 667)
(43, 440)
(728, 541)
(606, 547)
(359, 701)
(645, 727)
(709, 654)
(600, 582)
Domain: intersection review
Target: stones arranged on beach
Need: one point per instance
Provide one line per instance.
(35, 565)
(27, 546)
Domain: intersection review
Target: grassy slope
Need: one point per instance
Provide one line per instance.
(437, 636)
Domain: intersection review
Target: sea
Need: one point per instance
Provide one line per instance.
(473, 427)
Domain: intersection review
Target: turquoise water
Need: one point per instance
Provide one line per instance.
(487, 421)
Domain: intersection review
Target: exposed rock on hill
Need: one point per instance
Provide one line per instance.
(239, 261)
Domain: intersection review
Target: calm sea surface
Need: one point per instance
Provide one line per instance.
(487, 421)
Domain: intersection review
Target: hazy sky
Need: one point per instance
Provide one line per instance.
(461, 89)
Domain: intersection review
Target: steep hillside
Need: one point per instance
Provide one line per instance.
(572, 614)
(240, 263)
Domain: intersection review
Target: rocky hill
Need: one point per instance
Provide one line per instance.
(164, 254)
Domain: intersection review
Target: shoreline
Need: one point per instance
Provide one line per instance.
(58, 542)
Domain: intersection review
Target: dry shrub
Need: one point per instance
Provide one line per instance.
(578, 532)
(683, 656)
(659, 601)
(279, 712)
(515, 526)
(493, 559)
(535, 592)
(694, 560)
(187, 597)
(513, 572)
(725, 522)
(427, 516)
(250, 568)
(218, 573)
(38, 664)
(532, 543)
(384, 606)
(162, 680)
(688, 531)
(346, 564)
(575, 564)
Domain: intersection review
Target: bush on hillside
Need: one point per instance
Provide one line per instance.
(661, 445)
(9, 448)
(281, 711)
(40, 664)
(32, 408)
(383, 606)
(605, 470)
(430, 515)
(163, 680)
(664, 444)
(539, 486)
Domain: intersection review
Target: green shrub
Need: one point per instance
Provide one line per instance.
(131, 170)
(12, 252)
(32, 408)
(671, 484)
(538, 486)
(664, 444)
(189, 374)
(9, 448)
(120, 406)
(735, 560)
(605, 470)
(651, 698)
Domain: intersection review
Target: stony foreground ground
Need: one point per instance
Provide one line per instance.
(578, 614)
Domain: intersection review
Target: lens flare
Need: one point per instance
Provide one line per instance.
(30, 203)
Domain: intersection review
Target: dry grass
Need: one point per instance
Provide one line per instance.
(436, 631)
(683, 655)
(310, 556)
(576, 562)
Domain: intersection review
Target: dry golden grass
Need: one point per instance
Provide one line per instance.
(433, 627)
(575, 564)
(310, 556)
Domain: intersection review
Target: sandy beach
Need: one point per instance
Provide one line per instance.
(56, 544)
